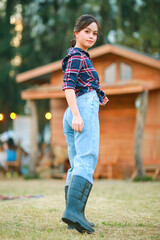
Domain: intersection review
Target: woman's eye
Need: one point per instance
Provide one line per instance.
(95, 34)
(87, 31)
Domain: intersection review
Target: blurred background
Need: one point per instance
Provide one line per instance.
(38, 32)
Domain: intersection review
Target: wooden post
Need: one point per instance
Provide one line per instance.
(141, 104)
(34, 133)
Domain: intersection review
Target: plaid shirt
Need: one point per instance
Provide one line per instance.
(80, 74)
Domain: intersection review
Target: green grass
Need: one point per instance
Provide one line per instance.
(121, 210)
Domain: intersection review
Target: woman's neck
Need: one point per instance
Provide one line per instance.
(77, 46)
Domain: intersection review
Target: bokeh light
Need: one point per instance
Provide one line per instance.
(13, 115)
(48, 115)
(1, 116)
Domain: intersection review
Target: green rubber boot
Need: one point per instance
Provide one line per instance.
(77, 195)
(69, 225)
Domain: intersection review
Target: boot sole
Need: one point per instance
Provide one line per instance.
(72, 227)
(77, 225)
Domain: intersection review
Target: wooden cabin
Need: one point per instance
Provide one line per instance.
(125, 74)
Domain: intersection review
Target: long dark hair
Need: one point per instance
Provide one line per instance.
(11, 144)
(81, 23)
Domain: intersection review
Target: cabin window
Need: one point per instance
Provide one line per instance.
(110, 74)
(125, 72)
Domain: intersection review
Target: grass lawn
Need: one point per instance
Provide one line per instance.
(121, 210)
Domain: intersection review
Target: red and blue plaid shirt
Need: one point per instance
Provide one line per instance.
(80, 74)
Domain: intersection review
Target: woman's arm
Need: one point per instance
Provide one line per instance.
(77, 122)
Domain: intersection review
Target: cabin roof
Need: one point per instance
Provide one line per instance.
(137, 51)
(118, 50)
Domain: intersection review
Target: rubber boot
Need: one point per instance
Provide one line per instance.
(69, 225)
(66, 191)
(77, 196)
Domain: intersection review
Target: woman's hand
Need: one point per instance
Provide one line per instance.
(77, 123)
(105, 101)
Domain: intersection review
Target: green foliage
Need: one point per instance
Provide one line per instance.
(28, 177)
(139, 22)
(149, 31)
(143, 179)
(9, 91)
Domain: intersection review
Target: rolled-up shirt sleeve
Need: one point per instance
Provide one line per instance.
(71, 72)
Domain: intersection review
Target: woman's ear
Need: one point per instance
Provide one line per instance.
(76, 34)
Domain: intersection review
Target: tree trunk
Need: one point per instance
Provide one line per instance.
(141, 104)
(34, 135)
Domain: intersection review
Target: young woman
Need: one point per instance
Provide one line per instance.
(81, 121)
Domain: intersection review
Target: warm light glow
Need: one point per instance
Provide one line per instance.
(13, 115)
(16, 41)
(1, 117)
(12, 19)
(12, 73)
(16, 20)
(16, 61)
(48, 115)
(19, 27)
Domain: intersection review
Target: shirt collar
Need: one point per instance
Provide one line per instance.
(81, 50)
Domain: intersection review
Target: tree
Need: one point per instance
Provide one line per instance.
(142, 103)
(149, 33)
(9, 91)
(136, 25)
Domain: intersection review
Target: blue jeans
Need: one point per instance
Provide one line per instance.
(83, 147)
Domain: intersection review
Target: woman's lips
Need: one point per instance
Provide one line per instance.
(89, 41)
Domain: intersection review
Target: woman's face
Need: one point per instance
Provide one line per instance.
(87, 37)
